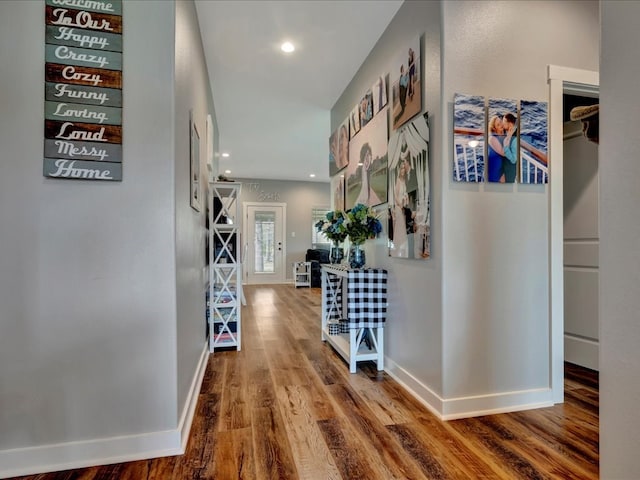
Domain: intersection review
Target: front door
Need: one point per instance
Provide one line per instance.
(264, 244)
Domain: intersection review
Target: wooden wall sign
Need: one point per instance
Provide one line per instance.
(83, 90)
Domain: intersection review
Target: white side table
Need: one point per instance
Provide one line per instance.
(302, 274)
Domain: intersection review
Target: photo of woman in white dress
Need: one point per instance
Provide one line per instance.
(401, 201)
(409, 192)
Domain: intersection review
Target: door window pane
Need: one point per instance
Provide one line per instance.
(264, 242)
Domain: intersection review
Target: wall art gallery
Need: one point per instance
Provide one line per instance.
(516, 146)
(369, 168)
(83, 90)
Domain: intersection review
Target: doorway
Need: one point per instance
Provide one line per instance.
(264, 243)
(562, 80)
(581, 239)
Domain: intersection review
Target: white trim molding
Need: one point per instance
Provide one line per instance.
(472, 406)
(574, 81)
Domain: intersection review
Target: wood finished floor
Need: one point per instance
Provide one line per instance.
(286, 407)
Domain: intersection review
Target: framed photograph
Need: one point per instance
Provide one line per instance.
(337, 189)
(366, 109)
(333, 153)
(366, 174)
(468, 138)
(409, 191)
(354, 120)
(406, 85)
(502, 148)
(342, 160)
(194, 173)
(210, 156)
(534, 159)
(379, 90)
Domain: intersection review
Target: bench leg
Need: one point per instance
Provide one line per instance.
(380, 338)
(353, 349)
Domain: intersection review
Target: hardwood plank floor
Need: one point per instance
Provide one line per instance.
(286, 407)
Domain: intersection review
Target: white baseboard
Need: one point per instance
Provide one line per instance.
(415, 387)
(582, 351)
(466, 407)
(70, 455)
(189, 410)
(503, 402)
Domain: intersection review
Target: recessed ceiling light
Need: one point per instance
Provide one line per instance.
(227, 172)
(312, 175)
(225, 155)
(474, 143)
(287, 47)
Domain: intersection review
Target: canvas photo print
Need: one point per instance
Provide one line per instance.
(406, 85)
(366, 108)
(534, 148)
(379, 90)
(409, 191)
(468, 138)
(354, 121)
(366, 174)
(502, 143)
(337, 191)
(333, 153)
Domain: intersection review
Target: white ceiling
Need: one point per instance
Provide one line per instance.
(273, 109)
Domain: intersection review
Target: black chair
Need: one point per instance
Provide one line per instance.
(317, 256)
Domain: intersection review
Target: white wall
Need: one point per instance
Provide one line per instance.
(619, 246)
(192, 93)
(413, 336)
(495, 318)
(96, 352)
(300, 198)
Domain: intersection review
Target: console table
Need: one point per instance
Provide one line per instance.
(360, 297)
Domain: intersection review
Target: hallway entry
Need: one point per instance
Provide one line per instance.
(264, 243)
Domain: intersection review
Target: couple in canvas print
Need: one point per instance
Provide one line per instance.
(503, 148)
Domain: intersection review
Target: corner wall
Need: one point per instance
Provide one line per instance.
(89, 335)
(192, 93)
(619, 247)
(496, 277)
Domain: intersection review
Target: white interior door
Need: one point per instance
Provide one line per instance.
(265, 242)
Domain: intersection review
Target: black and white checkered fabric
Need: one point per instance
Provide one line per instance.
(367, 297)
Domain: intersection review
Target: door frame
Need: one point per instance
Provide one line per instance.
(561, 80)
(245, 236)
